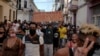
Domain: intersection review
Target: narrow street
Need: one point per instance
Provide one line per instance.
(49, 27)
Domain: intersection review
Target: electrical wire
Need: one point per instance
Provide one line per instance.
(43, 2)
(46, 2)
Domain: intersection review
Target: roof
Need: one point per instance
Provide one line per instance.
(47, 16)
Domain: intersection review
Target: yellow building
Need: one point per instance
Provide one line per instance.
(8, 9)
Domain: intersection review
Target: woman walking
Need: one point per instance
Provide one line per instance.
(12, 45)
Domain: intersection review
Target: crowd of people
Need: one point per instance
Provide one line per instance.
(35, 39)
(83, 43)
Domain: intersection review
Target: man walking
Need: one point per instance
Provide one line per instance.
(48, 41)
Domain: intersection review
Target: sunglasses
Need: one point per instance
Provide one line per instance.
(1, 32)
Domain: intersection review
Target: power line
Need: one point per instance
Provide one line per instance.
(43, 2)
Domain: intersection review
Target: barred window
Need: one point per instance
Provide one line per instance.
(93, 20)
(96, 15)
(25, 4)
(98, 21)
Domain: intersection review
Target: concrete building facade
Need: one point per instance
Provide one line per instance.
(26, 9)
(8, 10)
(93, 12)
(88, 12)
(82, 12)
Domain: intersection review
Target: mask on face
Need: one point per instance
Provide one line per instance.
(45, 27)
(13, 35)
(32, 32)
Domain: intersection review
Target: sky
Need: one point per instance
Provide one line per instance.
(45, 5)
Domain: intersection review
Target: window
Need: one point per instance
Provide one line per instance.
(10, 15)
(96, 15)
(25, 4)
(19, 4)
(1, 11)
(5, 17)
(70, 19)
(13, 15)
(93, 20)
(98, 21)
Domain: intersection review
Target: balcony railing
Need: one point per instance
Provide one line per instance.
(73, 5)
(7, 0)
(87, 0)
(26, 9)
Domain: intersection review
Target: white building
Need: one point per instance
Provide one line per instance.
(25, 10)
(88, 12)
(82, 12)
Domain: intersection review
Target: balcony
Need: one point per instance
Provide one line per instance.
(87, 0)
(26, 9)
(73, 5)
(7, 0)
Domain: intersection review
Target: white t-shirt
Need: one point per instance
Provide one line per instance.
(15, 26)
(40, 34)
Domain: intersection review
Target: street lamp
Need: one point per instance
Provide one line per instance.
(73, 8)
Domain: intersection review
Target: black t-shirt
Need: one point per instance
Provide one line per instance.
(55, 33)
(2, 39)
(55, 37)
(48, 36)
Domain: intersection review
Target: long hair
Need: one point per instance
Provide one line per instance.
(4, 34)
